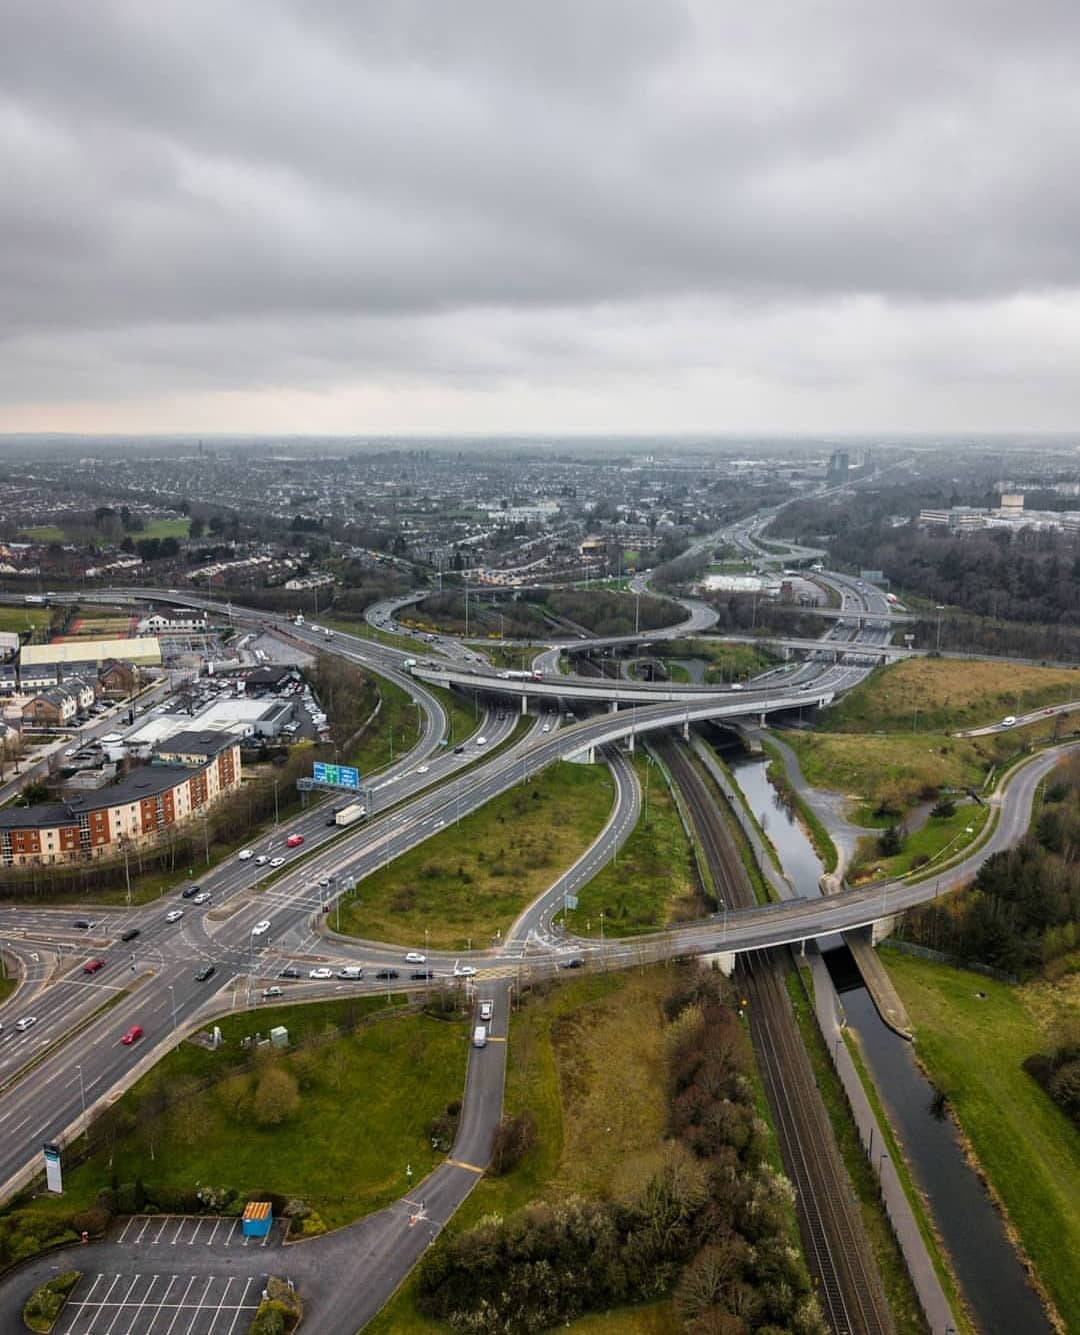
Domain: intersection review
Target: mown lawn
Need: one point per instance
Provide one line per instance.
(401, 1071)
(944, 695)
(165, 528)
(473, 878)
(654, 881)
(974, 1046)
(587, 1061)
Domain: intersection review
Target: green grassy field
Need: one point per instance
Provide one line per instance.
(973, 1034)
(654, 882)
(938, 695)
(44, 533)
(165, 528)
(404, 1069)
(584, 1059)
(16, 619)
(900, 766)
(939, 840)
(475, 876)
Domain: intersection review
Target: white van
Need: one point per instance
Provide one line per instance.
(351, 971)
(479, 1036)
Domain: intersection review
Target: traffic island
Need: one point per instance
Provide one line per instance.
(45, 1304)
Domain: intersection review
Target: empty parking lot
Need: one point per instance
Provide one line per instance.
(161, 1304)
(179, 1230)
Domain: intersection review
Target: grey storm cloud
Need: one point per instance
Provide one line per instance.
(297, 193)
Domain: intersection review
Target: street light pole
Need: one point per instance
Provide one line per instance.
(940, 609)
(172, 999)
(82, 1100)
(275, 804)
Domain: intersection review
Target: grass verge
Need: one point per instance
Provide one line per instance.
(213, 1129)
(943, 695)
(474, 877)
(653, 882)
(940, 840)
(973, 1034)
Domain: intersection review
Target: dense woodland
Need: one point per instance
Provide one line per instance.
(711, 1225)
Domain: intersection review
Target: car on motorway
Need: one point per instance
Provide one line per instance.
(420, 975)
(268, 993)
(84, 924)
(1008, 720)
(289, 971)
(174, 915)
(27, 1022)
(131, 934)
(464, 971)
(384, 975)
(277, 862)
(132, 1035)
(546, 727)
(294, 841)
(261, 927)
(414, 957)
(459, 750)
(92, 966)
(261, 860)
(324, 883)
(189, 892)
(423, 769)
(201, 898)
(207, 971)
(244, 855)
(575, 962)
(320, 975)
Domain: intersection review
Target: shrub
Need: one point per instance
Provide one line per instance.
(93, 1221)
(45, 1303)
(946, 807)
(514, 1137)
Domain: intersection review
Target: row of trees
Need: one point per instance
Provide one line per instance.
(711, 1223)
(1023, 910)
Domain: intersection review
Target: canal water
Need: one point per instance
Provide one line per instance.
(991, 1277)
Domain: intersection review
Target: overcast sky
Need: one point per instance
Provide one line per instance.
(565, 215)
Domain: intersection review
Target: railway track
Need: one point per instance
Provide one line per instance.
(837, 1254)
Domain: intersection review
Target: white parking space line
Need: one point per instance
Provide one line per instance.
(157, 1235)
(143, 1302)
(120, 1307)
(180, 1306)
(240, 1308)
(221, 1301)
(163, 1301)
(195, 1234)
(179, 1230)
(146, 1225)
(199, 1305)
(108, 1294)
(127, 1226)
(77, 1308)
(228, 1240)
(213, 1233)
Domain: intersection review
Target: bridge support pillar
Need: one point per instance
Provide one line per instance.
(630, 743)
(686, 730)
(761, 719)
(724, 961)
(613, 707)
(524, 704)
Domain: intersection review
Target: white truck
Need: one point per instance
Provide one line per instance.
(351, 813)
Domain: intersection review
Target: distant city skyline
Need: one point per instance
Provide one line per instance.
(304, 218)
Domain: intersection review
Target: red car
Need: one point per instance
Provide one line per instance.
(92, 966)
(136, 1031)
(294, 841)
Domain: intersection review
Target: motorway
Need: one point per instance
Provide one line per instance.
(151, 981)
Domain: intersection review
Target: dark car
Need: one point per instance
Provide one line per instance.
(332, 820)
(458, 750)
(189, 892)
(422, 974)
(384, 975)
(576, 963)
(130, 934)
(207, 971)
(84, 923)
(290, 971)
